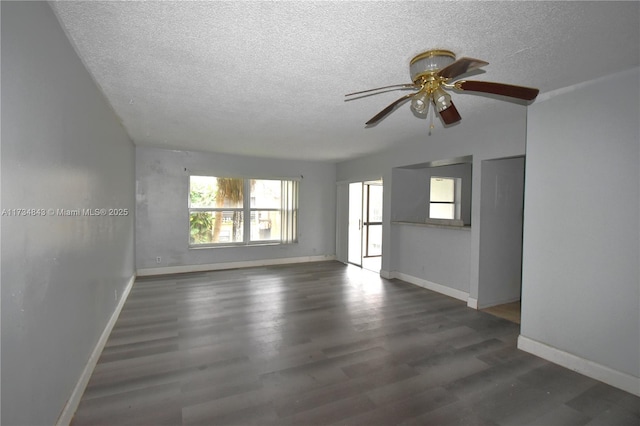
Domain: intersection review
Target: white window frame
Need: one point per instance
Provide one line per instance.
(456, 203)
(288, 211)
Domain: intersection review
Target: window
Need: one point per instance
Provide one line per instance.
(427, 192)
(444, 198)
(236, 211)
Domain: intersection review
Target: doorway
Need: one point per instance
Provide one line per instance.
(365, 225)
(501, 220)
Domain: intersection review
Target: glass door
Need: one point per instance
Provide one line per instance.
(372, 219)
(354, 251)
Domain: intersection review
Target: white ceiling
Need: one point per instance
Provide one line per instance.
(268, 78)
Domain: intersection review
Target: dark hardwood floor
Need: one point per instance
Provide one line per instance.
(324, 343)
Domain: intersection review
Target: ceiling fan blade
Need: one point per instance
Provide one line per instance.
(519, 92)
(450, 115)
(461, 66)
(379, 116)
(393, 86)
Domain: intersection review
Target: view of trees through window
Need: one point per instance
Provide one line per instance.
(218, 207)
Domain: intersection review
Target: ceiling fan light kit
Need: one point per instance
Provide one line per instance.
(420, 103)
(431, 73)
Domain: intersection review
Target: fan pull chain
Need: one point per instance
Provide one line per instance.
(431, 114)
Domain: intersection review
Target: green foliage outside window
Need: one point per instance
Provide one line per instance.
(212, 192)
(201, 227)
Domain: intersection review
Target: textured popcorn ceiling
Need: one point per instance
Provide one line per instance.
(269, 78)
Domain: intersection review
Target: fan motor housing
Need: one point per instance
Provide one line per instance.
(428, 63)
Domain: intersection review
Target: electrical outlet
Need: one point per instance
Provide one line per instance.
(158, 259)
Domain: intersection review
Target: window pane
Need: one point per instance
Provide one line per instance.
(202, 191)
(441, 211)
(266, 194)
(374, 240)
(229, 192)
(216, 227)
(442, 189)
(210, 191)
(265, 225)
(375, 203)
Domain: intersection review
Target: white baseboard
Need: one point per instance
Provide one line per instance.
(472, 303)
(386, 274)
(600, 372)
(439, 288)
(74, 400)
(144, 272)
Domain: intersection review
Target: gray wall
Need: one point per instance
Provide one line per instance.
(498, 131)
(162, 219)
(438, 255)
(501, 231)
(581, 228)
(409, 195)
(62, 147)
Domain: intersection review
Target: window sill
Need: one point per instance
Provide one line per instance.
(446, 222)
(434, 224)
(219, 246)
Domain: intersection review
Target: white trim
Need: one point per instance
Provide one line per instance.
(600, 372)
(145, 272)
(386, 274)
(74, 400)
(439, 288)
(472, 303)
(370, 178)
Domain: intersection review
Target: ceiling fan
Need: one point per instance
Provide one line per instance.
(431, 72)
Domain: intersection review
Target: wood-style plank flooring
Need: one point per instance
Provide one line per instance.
(508, 311)
(322, 344)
